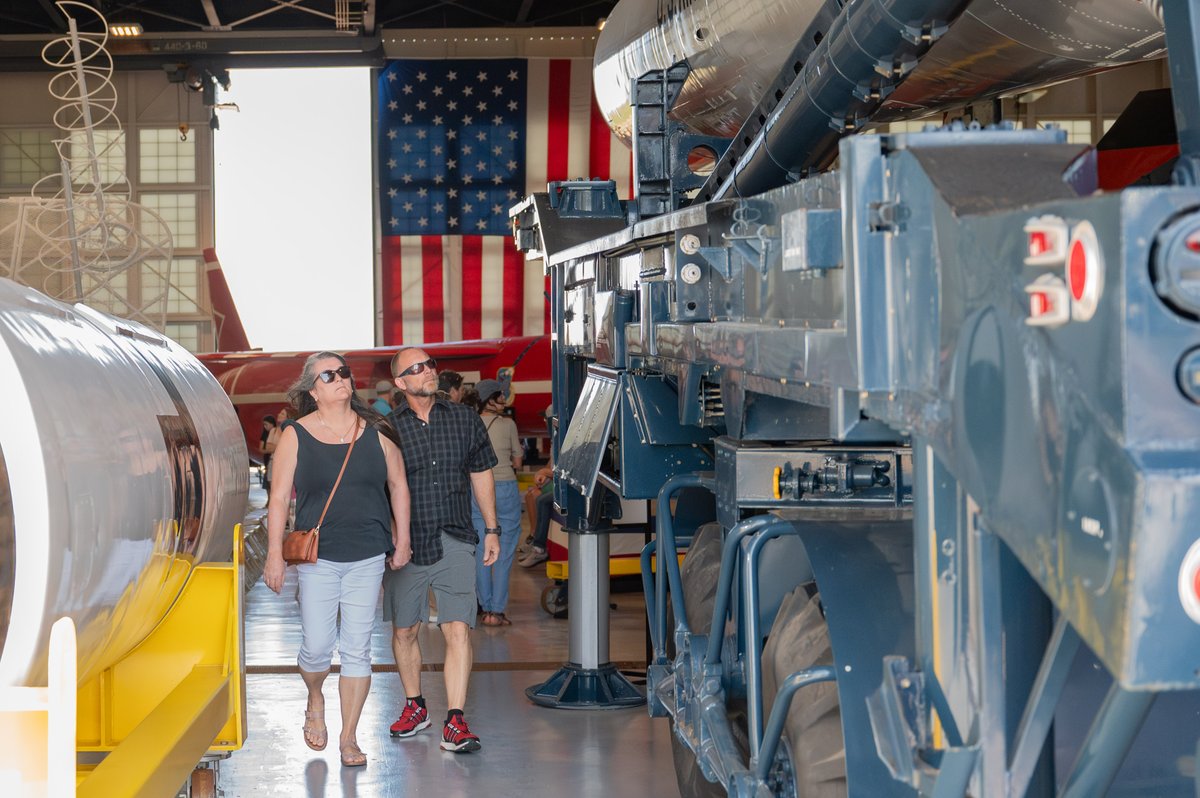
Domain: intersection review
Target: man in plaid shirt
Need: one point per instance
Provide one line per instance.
(448, 457)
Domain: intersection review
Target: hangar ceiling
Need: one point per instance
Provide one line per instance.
(365, 16)
(277, 32)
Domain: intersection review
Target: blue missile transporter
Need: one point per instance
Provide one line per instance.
(928, 427)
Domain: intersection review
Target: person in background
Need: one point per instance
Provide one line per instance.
(367, 523)
(383, 397)
(266, 447)
(281, 416)
(449, 459)
(450, 385)
(491, 581)
(539, 503)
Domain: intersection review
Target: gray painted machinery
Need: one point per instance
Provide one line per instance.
(927, 423)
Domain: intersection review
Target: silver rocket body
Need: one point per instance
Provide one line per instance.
(122, 465)
(735, 48)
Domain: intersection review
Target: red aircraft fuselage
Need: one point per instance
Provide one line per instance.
(257, 382)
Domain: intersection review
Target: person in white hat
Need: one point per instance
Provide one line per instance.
(383, 398)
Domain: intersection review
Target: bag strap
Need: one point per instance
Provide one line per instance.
(338, 481)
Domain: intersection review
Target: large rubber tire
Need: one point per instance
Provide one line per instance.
(799, 639)
(699, 571)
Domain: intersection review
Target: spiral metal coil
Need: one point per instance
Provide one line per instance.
(79, 231)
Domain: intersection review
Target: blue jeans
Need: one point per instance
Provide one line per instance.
(541, 528)
(491, 582)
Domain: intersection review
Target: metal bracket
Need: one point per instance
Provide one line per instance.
(575, 199)
(719, 259)
(897, 710)
(887, 217)
(661, 146)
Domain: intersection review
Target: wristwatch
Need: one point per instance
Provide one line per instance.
(492, 530)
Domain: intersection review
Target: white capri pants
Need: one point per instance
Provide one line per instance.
(326, 587)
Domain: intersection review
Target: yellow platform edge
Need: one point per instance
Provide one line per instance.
(617, 566)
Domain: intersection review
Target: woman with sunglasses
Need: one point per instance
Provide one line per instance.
(367, 522)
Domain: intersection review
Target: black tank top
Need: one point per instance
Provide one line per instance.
(359, 522)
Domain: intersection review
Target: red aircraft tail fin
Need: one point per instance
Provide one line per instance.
(1141, 146)
(231, 335)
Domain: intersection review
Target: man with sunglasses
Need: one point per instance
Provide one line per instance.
(448, 457)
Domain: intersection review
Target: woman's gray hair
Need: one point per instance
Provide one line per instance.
(299, 396)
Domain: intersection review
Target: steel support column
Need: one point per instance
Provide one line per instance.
(939, 526)
(588, 680)
(1039, 712)
(988, 619)
(587, 598)
(1112, 733)
(1181, 22)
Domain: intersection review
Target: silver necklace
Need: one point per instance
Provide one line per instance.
(341, 438)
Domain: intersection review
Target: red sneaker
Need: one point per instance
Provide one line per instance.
(413, 718)
(457, 737)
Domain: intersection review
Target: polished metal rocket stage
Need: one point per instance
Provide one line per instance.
(735, 49)
(122, 465)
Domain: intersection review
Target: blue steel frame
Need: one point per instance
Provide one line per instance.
(1039, 712)
(779, 709)
(1046, 458)
(708, 668)
(751, 549)
(1183, 53)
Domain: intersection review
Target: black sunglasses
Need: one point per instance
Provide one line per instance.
(327, 375)
(417, 368)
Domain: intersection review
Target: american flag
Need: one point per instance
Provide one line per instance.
(460, 142)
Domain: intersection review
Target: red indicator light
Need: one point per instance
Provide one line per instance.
(1045, 241)
(1077, 268)
(1189, 582)
(1193, 242)
(1039, 304)
(1039, 243)
(1049, 302)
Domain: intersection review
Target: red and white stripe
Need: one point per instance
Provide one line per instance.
(454, 288)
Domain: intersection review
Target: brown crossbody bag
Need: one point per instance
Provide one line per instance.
(300, 546)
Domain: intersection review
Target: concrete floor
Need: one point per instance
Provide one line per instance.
(527, 750)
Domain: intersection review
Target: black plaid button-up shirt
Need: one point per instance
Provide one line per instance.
(439, 458)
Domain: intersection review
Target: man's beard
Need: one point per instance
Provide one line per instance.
(422, 391)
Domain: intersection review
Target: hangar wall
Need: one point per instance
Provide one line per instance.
(1085, 108)
(172, 177)
(176, 177)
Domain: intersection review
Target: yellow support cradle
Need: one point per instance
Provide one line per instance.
(179, 695)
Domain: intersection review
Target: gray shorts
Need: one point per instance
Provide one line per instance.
(452, 579)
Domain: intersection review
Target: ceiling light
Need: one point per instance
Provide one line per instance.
(126, 29)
